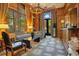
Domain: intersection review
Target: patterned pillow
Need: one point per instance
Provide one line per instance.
(16, 44)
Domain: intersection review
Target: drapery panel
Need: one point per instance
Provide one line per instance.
(3, 10)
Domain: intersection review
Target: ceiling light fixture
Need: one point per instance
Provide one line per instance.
(37, 9)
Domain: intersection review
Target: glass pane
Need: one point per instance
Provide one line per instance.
(11, 20)
(22, 22)
(11, 25)
(10, 13)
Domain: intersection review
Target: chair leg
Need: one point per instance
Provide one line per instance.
(12, 53)
(6, 52)
(25, 48)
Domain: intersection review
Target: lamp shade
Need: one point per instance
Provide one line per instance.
(30, 26)
(4, 26)
(62, 21)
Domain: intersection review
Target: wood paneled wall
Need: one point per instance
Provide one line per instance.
(69, 10)
(60, 16)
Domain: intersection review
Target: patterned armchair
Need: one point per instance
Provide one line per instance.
(11, 46)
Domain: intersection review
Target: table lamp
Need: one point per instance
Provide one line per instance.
(3, 26)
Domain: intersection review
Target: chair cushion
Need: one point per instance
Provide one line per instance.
(21, 37)
(16, 44)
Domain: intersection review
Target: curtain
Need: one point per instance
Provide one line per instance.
(3, 10)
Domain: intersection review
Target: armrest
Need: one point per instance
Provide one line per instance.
(18, 40)
(9, 46)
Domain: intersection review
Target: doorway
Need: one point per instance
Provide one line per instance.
(47, 21)
(47, 26)
(50, 25)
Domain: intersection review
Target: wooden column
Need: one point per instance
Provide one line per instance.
(36, 22)
(29, 20)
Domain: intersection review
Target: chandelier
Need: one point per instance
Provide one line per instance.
(37, 9)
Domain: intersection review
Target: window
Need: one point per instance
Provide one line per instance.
(11, 19)
(16, 20)
(47, 15)
(21, 20)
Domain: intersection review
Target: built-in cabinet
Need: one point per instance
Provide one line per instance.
(70, 37)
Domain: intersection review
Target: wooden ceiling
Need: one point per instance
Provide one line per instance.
(48, 5)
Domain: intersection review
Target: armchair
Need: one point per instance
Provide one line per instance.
(11, 46)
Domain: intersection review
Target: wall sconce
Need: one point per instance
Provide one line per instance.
(69, 9)
(62, 21)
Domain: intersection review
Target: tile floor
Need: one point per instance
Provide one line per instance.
(48, 47)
